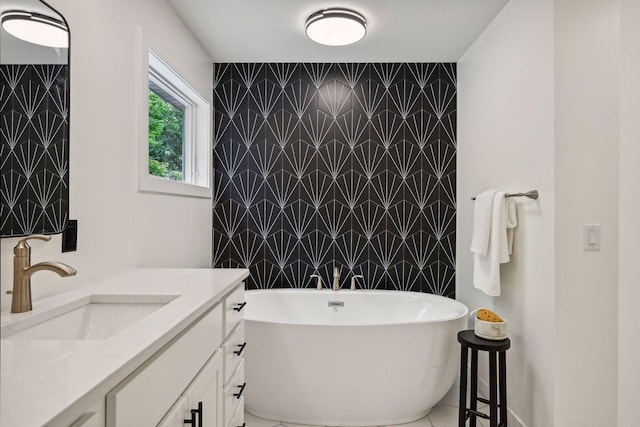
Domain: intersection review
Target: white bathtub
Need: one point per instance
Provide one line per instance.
(385, 357)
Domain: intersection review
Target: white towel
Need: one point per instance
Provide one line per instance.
(482, 222)
(486, 268)
(512, 222)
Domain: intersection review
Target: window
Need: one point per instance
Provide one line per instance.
(166, 134)
(174, 153)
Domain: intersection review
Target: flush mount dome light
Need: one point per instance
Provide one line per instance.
(36, 28)
(336, 27)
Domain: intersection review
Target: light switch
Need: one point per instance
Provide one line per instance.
(592, 237)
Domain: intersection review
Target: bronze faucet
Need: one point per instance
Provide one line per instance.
(23, 270)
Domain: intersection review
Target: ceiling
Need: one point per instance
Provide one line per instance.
(397, 30)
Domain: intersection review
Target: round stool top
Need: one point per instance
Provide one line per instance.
(470, 339)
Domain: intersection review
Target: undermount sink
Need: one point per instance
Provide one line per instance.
(93, 318)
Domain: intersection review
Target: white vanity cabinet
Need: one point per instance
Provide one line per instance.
(183, 384)
(166, 361)
(233, 350)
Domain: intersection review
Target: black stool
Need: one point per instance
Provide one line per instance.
(469, 340)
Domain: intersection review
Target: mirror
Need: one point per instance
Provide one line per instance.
(34, 119)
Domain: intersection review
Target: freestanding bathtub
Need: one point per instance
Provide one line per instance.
(349, 358)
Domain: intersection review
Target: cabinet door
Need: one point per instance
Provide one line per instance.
(88, 420)
(164, 377)
(207, 388)
(176, 415)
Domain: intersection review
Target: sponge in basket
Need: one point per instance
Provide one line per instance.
(488, 316)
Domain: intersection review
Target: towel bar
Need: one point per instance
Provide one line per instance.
(533, 194)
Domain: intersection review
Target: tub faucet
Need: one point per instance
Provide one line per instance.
(319, 281)
(353, 281)
(23, 270)
(336, 279)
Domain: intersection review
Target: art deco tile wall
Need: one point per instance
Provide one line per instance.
(34, 157)
(317, 165)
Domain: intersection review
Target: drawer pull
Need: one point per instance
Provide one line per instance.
(243, 425)
(195, 412)
(192, 420)
(238, 394)
(239, 351)
(239, 306)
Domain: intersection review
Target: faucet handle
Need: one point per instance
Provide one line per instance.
(353, 281)
(34, 236)
(319, 286)
(23, 249)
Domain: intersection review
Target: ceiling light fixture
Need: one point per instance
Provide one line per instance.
(336, 27)
(36, 28)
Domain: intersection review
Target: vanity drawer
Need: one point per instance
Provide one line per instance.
(238, 418)
(233, 393)
(234, 309)
(232, 346)
(144, 397)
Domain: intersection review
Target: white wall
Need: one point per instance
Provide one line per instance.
(586, 172)
(505, 140)
(119, 227)
(539, 107)
(629, 272)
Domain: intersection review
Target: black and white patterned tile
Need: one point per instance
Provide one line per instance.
(34, 157)
(318, 165)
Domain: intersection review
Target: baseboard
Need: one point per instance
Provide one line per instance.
(513, 419)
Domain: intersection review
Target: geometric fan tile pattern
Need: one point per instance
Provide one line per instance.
(34, 150)
(318, 165)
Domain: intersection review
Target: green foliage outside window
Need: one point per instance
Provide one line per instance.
(165, 139)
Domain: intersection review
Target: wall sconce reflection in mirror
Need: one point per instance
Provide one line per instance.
(34, 119)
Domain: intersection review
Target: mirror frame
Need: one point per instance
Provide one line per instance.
(28, 204)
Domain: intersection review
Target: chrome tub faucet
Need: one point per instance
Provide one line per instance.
(353, 281)
(336, 278)
(319, 281)
(23, 270)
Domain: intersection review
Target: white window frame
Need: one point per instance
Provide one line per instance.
(196, 132)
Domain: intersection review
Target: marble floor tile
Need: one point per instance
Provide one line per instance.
(444, 414)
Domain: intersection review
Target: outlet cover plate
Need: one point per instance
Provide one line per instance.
(70, 236)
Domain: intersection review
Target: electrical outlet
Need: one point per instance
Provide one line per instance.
(70, 236)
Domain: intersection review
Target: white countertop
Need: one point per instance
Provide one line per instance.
(51, 381)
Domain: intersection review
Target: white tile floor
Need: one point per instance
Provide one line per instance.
(444, 414)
